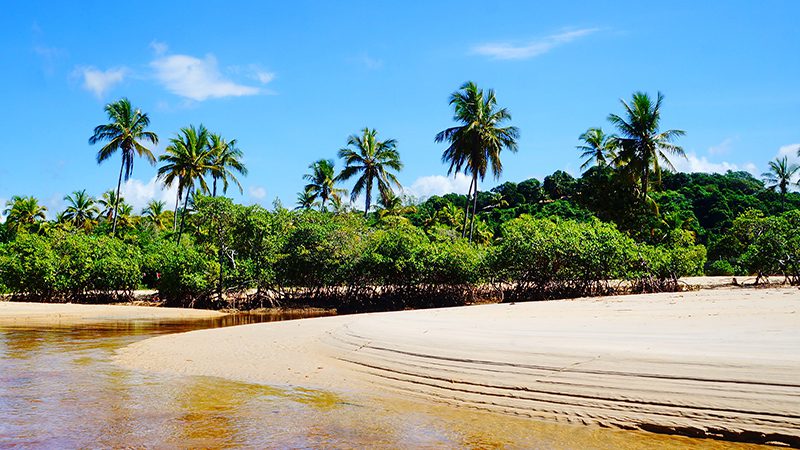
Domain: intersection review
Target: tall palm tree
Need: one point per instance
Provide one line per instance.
(22, 213)
(373, 160)
(476, 143)
(186, 161)
(225, 160)
(125, 132)
(81, 210)
(153, 213)
(642, 147)
(306, 200)
(108, 201)
(597, 148)
(322, 182)
(779, 176)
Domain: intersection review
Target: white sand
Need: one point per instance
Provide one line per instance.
(722, 362)
(19, 313)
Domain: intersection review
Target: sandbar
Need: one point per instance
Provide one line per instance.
(721, 363)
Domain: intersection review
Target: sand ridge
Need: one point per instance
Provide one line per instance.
(716, 363)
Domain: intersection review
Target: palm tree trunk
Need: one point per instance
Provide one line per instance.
(474, 204)
(466, 209)
(369, 195)
(175, 213)
(116, 200)
(783, 200)
(645, 179)
(183, 214)
(214, 192)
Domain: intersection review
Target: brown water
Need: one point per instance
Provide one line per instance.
(59, 389)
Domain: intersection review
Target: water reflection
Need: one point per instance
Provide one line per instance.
(59, 389)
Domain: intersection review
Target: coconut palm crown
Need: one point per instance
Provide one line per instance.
(81, 210)
(779, 177)
(642, 146)
(186, 161)
(322, 182)
(478, 140)
(372, 161)
(225, 159)
(126, 132)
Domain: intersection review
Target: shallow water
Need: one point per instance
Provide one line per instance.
(59, 389)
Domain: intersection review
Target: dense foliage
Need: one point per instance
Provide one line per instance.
(627, 223)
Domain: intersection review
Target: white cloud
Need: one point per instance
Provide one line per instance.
(508, 50)
(137, 193)
(788, 150)
(722, 148)
(99, 81)
(257, 192)
(693, 163)
(428, 186)
(197, 79)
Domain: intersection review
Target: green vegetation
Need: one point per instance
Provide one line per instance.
(624, 225)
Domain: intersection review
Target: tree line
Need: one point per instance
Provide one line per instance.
(629, 217)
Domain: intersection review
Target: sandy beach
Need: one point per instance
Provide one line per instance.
(716, 363)
(21, 313)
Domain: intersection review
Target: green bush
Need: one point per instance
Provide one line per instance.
(720, 267)
(185, 276)
(28, 266)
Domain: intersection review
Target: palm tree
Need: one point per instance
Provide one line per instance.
(642, 147)
(779, 176)
(125, 132)
(154, 213)
(23, 213)
(186, 161)
(107, 202)
(225, 159)
(126, 217)
(372, 160)
(322, 182)
(306, 200)
(476, 143)
(81, 210)
(598, 148)
(392, 205)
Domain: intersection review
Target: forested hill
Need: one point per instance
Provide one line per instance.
(704, 204)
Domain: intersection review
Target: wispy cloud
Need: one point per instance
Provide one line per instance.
(197, 79)
(159, 48)
(530, 49)
(367, 61)
(424, 187)
(722, 148)
(256, 192)
(99, 81)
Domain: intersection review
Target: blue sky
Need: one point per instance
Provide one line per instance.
(291, 80)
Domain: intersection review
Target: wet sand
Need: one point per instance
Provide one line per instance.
(21, 313)
(720, 363)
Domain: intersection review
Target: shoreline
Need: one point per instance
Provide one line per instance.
(719, 363)
(33, 313)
